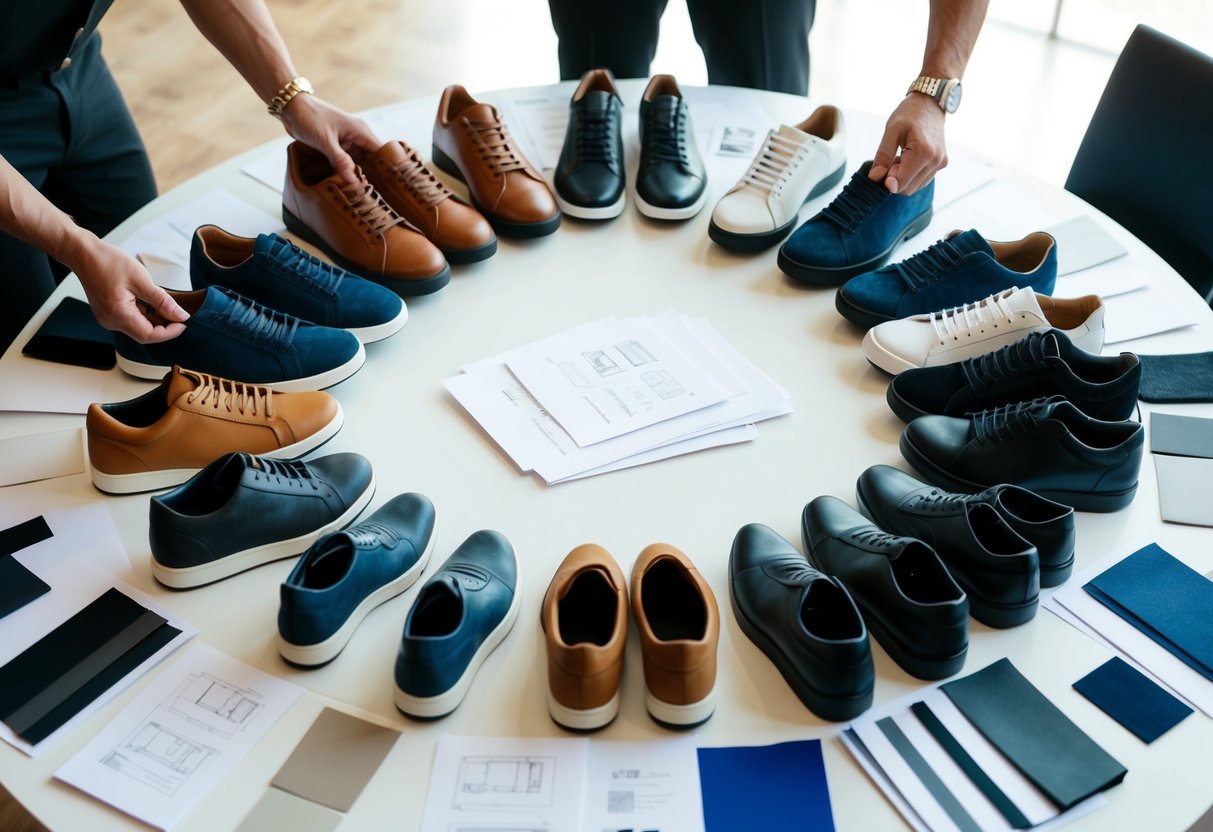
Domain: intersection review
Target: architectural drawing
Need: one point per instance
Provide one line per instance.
(601, 363)
(663, 384)
(215, 705)
(635, 352)
(157, 757)
(505, 782)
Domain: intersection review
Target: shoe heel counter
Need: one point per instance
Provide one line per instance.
(1123, 475)
(110, 457)
(573, 683)
(174, 549)
(680, 674)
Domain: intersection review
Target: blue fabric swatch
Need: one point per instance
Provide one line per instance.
(765, 787)
(1165, 600)
(1129, 697)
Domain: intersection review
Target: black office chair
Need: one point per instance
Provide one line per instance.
(1147, 157)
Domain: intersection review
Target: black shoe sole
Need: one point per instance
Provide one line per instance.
(865, 319)
(833, 708)
(904, 411)
(404, 287)
(519, 230)
(758, 242)
(1055, 575)
(820, 276)
(1078, 500)
(463, 256)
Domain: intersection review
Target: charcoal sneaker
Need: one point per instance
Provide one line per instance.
(589, 178)
(242, 511)
(961, 268)
(855, 233)
(346, 574)
(233, 337)
(275, 272)
(671, 182)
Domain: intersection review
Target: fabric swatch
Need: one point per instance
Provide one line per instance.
(1184, 485)
(1132, 699)
(23, 535)
(1171, 433)
(779, 786)
(1038, 739)
(18, 585)
(923, 771)
(1183, 378)
(282, 810)
(71, 335)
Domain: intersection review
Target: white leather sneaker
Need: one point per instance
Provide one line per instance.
(977, 328)
(794, 165)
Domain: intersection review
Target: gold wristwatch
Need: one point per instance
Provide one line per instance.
(945, 91)
(284, 96)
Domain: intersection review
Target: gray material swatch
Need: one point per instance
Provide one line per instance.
(1184, 486)
(335, 759)
(1171, 433)
(1082, 243)
(923, 771)
(281, 810)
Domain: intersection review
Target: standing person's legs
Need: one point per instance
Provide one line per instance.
(619, 35)
(762, 44)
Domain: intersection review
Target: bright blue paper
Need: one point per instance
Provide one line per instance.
(767, 787)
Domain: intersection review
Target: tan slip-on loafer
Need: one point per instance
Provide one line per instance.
(679, 625)
(168, 434)
(585, 620)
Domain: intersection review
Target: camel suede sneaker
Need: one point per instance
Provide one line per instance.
(168, 434)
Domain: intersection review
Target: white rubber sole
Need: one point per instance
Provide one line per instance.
(312, 655)
(581, 212)
(170, 477)
(881, 358)
(432, 707)
(238, 562)
(654, 212)
(370, 334)
(590, 719)
(155, 372)
(681, 715)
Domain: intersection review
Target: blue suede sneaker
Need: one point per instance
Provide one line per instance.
(345, 575)
(462, 613)
(960, 269)
(279, 274)
(230, 336)
(242, 511)
(855, 233)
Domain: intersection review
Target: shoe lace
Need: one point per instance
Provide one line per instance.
(872, 536)
(594, 137)
(855, 203)
(245, 399)
(666, 131)
(793, 570)
(369, 534)
(324, 276)
(927, 266)
(364, 202)
(420, 181)
(998, 424)
(936, 501)
(1000, 365)
(959, 321)
(774, 165)
(290, 473)
(496, 146)
(262, 322)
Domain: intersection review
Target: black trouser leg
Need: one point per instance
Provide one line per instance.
(763, 44)
(620, 35)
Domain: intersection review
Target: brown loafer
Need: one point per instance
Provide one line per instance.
(679, 624)
(415, 193)
(356, 228)
(585, 618)
(472, 144)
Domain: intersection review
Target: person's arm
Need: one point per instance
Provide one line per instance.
(916, 126)
(119, 290)
(244, 33)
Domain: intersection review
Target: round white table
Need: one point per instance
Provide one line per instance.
(419, 439)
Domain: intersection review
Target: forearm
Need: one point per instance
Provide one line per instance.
(951, 35)
(244, 33)
(27, 215)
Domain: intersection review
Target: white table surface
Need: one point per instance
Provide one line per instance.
(419, 439)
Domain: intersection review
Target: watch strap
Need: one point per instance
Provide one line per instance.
(288, 92)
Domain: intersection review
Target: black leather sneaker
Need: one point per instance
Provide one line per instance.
(1047, 525)
(589, 177)
(671, 183)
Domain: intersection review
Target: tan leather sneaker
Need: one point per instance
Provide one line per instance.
(356, 228)
(585, 618)
(472, 144)
(168, 434)
(415, 193)
(679, 624)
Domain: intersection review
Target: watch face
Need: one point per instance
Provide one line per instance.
(952, 99)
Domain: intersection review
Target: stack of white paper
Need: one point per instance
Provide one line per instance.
(616, 393)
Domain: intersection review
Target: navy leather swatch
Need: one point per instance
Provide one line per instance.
(59, 675)
(18, 585)
(1038, 739)
(1128, 696)
(1164, 599)
(71, 335)
(779, 786)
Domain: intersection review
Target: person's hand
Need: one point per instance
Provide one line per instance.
(916, 127)
(334, 132)
(123, 297)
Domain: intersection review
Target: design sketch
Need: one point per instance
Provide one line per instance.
(635, 353)
(505, 782)
(663, 384)
(157, 757)
(517, 394)
(215, 705)
(573, 374)
(601, 363)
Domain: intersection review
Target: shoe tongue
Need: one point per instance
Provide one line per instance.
(1049, 346)
(392, 153)
(268, 244)
(596, 100)
(970, 242)
(180, 383)
(481, 112)
(786, 131)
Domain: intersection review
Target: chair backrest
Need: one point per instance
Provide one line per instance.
(1147, 157)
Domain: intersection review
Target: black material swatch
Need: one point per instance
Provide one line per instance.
(71, 335)
(18, 585)
(1187, 377)
(23, 535)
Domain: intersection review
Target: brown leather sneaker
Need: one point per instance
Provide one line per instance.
(168, 434)
(472, 144)
(585, 617)
(679, 626)
(406, 184)
(356, 228)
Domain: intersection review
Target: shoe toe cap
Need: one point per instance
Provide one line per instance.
(349, 474)
(940, 439)
(744, 212)
(817, 243)
(879, 291)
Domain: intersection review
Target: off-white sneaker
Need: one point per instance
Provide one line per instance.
(984, 326)
(795, 164)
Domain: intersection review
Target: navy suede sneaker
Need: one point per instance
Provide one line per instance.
(855, 233)
(242, 511)
(961, 269)
(345, 575)
(230, 336)
(462, 613)
(279, 274)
